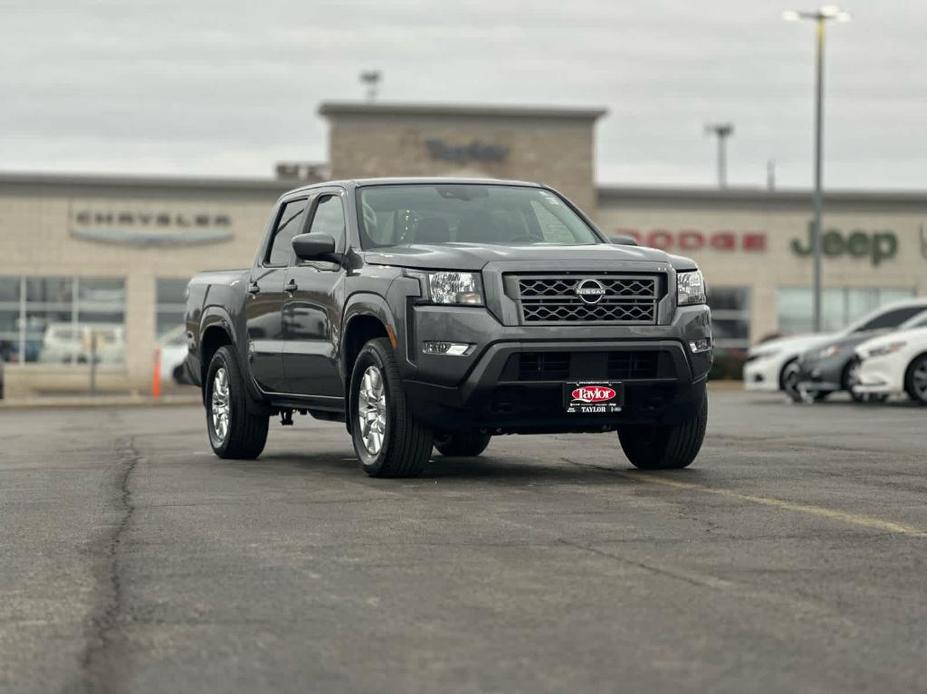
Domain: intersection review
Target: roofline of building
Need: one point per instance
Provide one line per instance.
(605, 193)
(157, 182)
(355, 108)
(756, 196)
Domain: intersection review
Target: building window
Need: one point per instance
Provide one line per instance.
(62, 320)
(840, 306)
(171, 302)
(730, 316)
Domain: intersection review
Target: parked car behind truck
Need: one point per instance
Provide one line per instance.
(894, 364)
(441, 312)
(834, 367)
(773, 366)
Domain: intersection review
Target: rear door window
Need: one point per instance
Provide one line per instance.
(291, 221)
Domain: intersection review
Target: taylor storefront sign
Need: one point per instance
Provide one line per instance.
(692, 240)
(129, 225)
(874, 246)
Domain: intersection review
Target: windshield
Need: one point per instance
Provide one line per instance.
(919, 321)
(885, 319)
(399, 215)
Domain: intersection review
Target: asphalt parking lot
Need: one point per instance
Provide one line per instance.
(791, 557)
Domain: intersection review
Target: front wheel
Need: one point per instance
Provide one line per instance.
(387, 438)
(235, 429)
(463, 444)
(915, 380)
(790, 379)
(665, 446)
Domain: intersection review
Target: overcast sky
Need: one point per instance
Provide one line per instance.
(208, 87)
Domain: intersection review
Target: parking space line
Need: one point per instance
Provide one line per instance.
(820, 511)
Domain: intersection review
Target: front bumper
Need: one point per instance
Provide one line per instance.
(762, 375)
(511, 381)
(881, 375)
(823, 375)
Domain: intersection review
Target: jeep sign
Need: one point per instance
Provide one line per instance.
(877, 246)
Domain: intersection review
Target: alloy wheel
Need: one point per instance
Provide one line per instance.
(371, 410)
(220, 405)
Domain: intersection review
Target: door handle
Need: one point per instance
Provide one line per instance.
(254, 288)
(291, 286)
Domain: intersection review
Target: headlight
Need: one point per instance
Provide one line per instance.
(454, 288)
(882, 350)
(690, 288)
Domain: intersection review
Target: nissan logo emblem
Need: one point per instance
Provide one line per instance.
(590, 291)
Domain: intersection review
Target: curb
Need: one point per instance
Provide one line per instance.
(100, 401)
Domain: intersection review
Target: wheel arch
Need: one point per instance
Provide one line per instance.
(785, 365)
(908, 369)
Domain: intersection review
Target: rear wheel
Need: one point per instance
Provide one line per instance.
(462, 444)
(915, 380)
(235, 429)
(387, 438)
(668, 446)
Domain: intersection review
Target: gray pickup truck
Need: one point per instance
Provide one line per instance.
(441, 312)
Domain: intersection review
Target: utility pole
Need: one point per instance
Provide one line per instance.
(771, 175)
(371, 78)
(820, 18)
(722, 131)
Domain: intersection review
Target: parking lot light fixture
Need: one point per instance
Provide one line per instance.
(820, 17)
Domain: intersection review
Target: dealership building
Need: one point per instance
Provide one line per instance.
(93, 268)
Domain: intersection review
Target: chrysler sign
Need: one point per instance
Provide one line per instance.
(132, 227)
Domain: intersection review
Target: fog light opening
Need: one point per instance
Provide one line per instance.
(703, 344)
(451, 349)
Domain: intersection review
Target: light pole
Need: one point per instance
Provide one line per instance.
(820, 17)
(371, 78)
(722, 131)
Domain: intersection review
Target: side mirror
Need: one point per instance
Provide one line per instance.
(314, 247)
(624, 240)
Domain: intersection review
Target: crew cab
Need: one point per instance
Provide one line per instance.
(437, 313)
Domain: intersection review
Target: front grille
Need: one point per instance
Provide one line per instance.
(623, 365)
(623, 299)
(543, 366)
(587, 366)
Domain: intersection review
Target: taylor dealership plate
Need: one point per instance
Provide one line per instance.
(593, 398)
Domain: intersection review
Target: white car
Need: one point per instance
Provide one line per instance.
(172, 349)
(70, 343)
(773, 366)
(894, 364)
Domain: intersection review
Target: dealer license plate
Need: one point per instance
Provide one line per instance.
(593, 398)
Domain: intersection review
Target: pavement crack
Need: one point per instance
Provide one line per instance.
(689, 577)
(97, 661)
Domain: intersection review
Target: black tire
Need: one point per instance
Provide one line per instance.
(665, 447)
(462, 443)
(913, 380)
(246, 431)
(789, 380)
(405, 444)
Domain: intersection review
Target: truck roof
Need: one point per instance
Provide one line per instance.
(421, 180)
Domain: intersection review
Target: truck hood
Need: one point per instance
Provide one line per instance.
(472, 256)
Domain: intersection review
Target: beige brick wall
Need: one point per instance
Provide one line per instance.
(556, 151)
(35, 240)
